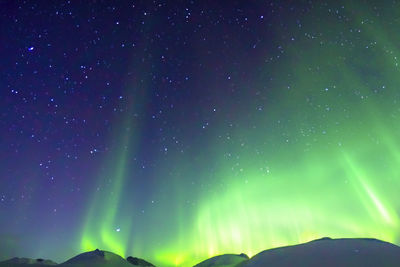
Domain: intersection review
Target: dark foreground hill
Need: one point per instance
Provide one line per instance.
(325, 252)
(95, 258)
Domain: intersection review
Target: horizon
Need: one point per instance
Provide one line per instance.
(191, 264)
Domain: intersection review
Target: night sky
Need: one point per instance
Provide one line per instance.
(178, 130)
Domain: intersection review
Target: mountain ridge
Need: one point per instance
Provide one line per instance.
(351, 252)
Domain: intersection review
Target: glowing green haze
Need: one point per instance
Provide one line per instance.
(315, 154)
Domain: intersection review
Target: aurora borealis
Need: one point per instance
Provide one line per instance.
(176, 131)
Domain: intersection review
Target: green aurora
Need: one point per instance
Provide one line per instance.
(322, 159)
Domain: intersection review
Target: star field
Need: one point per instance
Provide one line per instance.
(178, 131)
